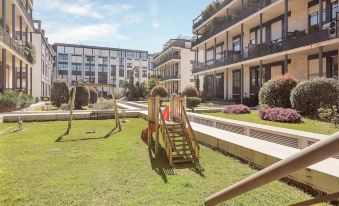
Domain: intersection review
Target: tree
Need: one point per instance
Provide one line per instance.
(59, 93)
(130, 88)
(152, 82)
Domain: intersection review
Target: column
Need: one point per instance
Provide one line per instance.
(226, 46)
(225, 84)
(321, 71)
(242, 84)
(26, 79)
(321, 20)
(286, 19)
(197, 59)
(215, 84)
(26, 36)
(20, 75)
(14, 72)
(242, 41)
(260, 74)
(13, 21)
(242, 7)
(261, 28)
(20, 20)
(205, 53)
(3, 69)
(285, 69)
(4, 14)
(215, 49)
(31, 81)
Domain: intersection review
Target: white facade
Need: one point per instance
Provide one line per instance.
(43, 68)
(100, 65)
(174, 65)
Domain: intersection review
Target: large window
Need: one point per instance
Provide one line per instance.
(103, 68)
(237, 80)
(335, 9)
(143, 55)
(314, 18)
(129, 64)
(90, 60)
(63, 58)
(121, 54)
(236, 45)
(102, 60)
(63, 66)
(76, 67)
(129, 55)
(113, 70)
(121, 62)
(121, 73)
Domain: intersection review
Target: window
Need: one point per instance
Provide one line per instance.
(90, 60)
(129, 55)
(89, 68)
(253, 78)
(103, 68)
(143, 55)
(121, 62)
(314, 18)
(76, 59)
(237, 79)
(63, 58)
(236, 45)
(121, 73)
(129, 72)
(136, 55)
(144, 73)
(335, 9)
(63, 66)
(121, 54)
(121, 83)
(129, 65)
(76, 67)
(102, 60)
(113, 70)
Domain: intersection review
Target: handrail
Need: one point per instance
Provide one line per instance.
(167, 140)
(311, 155)
(192, 139)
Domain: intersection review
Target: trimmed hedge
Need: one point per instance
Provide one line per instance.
(237, 109)
(280, 115)
(59, 93)
(93, 95)
(15, 100)
(81, 97)
(192, 102)
(190, 91)
(276, 92)
(159, 90)
(311, 95)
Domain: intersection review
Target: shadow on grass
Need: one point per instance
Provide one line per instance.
(59, 139)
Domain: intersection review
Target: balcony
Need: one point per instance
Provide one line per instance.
(25, 12)
(171, 77)
(166, 59)
(208, 12)
(13, 44)
(259, 50)
(177, 43)
(220, 24)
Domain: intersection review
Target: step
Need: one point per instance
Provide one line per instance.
(181, 145)
(182, 150)
(181, 155)
(183, 160)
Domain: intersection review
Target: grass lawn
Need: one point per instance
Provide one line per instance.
(85, 169)
(308, 125)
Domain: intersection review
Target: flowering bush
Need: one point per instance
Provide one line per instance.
(237, 109)
(280, 115)
(276, 92)
(159, 90)
(190, 91)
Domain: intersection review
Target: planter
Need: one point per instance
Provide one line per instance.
(6, 108)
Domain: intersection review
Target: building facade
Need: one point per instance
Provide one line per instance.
(100, 65)
(16, 48)
(44, 65)
(174, 65)
(242, 44)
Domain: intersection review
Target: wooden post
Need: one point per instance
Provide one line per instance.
(72, 107)
(157, 108)
(184, 100)
(150, 114)
(172, 108)
(116, 112)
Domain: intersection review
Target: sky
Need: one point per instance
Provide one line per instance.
(128, 24)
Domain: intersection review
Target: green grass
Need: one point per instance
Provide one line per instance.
(84, 169)
(308, 125)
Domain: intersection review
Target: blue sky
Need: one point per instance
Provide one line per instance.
(131, 24)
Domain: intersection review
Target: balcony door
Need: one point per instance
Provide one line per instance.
(332, 67)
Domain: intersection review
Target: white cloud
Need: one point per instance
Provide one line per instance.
(153, 7)
(77, 34)
(155, 25)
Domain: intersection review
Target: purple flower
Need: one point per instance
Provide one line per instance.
(280, 115)
(237, 109)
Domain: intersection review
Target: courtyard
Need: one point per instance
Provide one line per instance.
(94, 169)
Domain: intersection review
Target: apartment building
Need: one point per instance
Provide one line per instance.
(174, 64)
(100, 65)
(16, 50)
(43, 67)
(241, 44)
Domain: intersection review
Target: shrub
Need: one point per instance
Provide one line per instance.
(237, 109)
(192, 102)
(81, 97)
(93, 95)
(329, 115)
(104, 104)
(276, 92)
(159, 90)
(16, 100)
(311, 95)
(59, 93)
(64, 106)
(190, 91)
(280, 115)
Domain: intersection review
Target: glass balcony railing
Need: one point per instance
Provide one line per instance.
(258, 50)
(166, 59)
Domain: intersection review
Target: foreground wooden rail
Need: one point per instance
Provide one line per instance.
(311, 155)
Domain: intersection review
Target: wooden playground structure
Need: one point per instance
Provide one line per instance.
(172, 123)
(115, 107)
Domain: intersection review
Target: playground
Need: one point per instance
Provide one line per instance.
(93, 169)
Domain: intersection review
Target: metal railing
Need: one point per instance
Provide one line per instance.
(25, 11)
(10, 42)
(229, 21)
(178, 43)
(313, 154)
(259, 50)
(169, 77)
(166, 59)
(202, 18)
